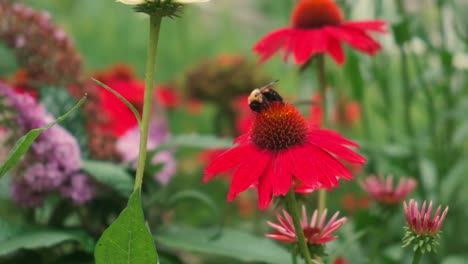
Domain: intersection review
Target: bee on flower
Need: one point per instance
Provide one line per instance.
(282, 148)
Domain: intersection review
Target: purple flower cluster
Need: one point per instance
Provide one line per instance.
(53, 162)
(128, 146)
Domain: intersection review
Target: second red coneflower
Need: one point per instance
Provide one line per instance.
(281, 147)
(317, 26)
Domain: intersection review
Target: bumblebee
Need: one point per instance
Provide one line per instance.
(261, 98)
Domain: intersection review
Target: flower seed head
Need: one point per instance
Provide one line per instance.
(316, 14)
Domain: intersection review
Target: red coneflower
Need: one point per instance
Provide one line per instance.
(281, 147)
(315, 232)
(382, 189)
(317, 26)
(167, 96)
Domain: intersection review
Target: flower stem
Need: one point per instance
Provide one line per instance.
(322, 195)
(417, 257)
(294, 212)
(155, 25)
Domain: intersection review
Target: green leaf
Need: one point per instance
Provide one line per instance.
(128, 239)
(231, 243)
(14, 236)
(22, 145)
(111, 174)
(125, 101)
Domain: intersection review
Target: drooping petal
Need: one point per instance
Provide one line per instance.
(301, 170)
(272, 43)
(364, 25)
(265, 186)
(312, 41)
(334, 143)
(335, 50)
(296, 37)
(227, 160)
(249, 171)
(282, 178)
(355, 38)
(327, 167)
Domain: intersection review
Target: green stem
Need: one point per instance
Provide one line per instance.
(293, 210)
(155, 25)
(294, 257)
(417, 257)
(322, 194)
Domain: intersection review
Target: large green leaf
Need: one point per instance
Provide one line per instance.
(111, 174)
(128, 240)
(23, 144)
(231, 243)
(15, 236)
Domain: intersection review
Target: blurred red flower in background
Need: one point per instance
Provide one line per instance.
(352, 202)
(122, 79)
(346, 112)
(244, 116)
(22, 83)
(318, 26)
(341, 260)
(119, 117)
(383, 191)
(167, 96)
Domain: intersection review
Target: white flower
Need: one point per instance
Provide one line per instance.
(137, 2)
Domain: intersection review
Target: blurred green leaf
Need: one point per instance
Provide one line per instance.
(353, 73)
(455, 260)
(128, 240)
(232, 243)
(401, 32)
(196, 141)
(195, 195)
(428, 175)
(461, 134)
(22, 145)
(111, 174)
(14, 236)
(453, 180)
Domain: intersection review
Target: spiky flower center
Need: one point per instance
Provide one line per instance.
(311, 233)
(279, 127)
(316, 14)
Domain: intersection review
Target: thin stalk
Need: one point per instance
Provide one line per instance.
(417, 257)
(322, 194)
(155, 25)
(294, 212)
